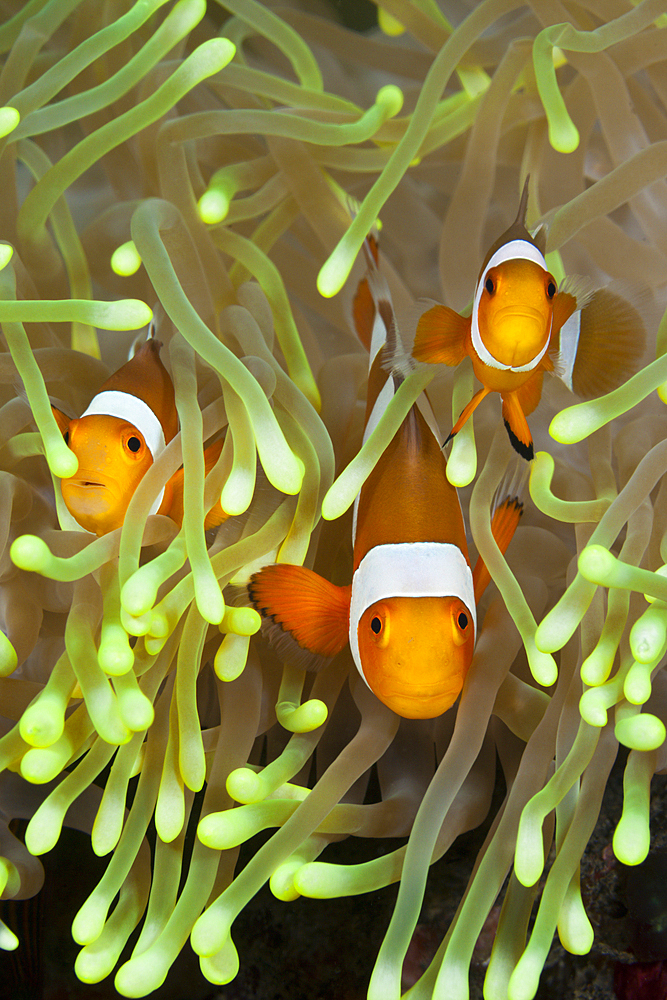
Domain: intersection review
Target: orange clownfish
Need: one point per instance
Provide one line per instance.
(410, 612)
(125, 427)
(522, 325)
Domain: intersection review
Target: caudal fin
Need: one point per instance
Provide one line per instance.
(305, 618)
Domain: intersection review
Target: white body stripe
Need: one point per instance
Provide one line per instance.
(125, 406)
(378, 338)
(409, 569)
(385, 396)
(514, 250)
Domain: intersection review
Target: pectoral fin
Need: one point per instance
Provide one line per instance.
(466, 411)
(306, 618)
(441, 337)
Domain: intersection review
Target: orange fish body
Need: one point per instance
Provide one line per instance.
(522, 325)
(125, 427)
(409, 614)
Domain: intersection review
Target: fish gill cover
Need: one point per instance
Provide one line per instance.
(197, 166)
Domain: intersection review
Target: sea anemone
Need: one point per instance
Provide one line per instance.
(201, 166)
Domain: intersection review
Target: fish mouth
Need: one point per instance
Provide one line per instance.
(522, 312)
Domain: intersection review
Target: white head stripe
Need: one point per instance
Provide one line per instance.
(514, 250)
(127, 407)
(409, 569)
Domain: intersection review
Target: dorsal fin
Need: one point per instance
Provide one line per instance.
(518, 231)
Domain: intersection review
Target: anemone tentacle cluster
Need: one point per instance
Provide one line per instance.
(197, 164)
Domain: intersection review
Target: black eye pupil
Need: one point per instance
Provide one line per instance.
(551, 289)
(376, 625)
(462, 620)
(134, 444)
(490, 287)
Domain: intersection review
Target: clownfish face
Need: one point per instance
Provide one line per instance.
(515, 311)
(415, 652)
(113, 458)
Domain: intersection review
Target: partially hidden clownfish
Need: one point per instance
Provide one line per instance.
(410, 612)
(522, 324)
(125, 427)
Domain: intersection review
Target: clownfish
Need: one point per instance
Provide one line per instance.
(522, 324)
(125, 427)
(409, 614)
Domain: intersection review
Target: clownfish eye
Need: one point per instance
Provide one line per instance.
(462, 621)
(376, 625)
(490, 286)
(134, 444)
(551, 289)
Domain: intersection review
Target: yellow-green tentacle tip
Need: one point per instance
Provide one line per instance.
(31, 553)
(389, 25)
(244, 785)
(563, 134)
(641, 732)
(648, 634)
(599, 566)
(632, 837)
(8, 940)
(574, 927)
(301, 718)
(342, 493)
(213, 205)
(125, 260)
(230, 660)
(222, 967)
(241, 621)
(8, 657)
(6, 254)
(9, 119)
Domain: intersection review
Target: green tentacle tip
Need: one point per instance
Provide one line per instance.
(214, 830)
(335, 270)
(529, 855)
(244, 785)
(241, 621)
(62, 462)
(388, 25)
(213, 205)
(301, 718)
(115, 656)
(6, 254)
(30, 553)
(563, 134)
(8, 940)
(632, 837)
(641, 732)
(574, 423)
(8, 657)
(125, 260)
(597, 565)
(391, 98)
(9, 119)
(222, 967)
